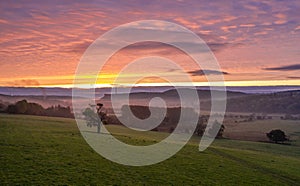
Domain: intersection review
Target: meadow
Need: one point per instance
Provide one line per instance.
(256, 130)
(46, 150)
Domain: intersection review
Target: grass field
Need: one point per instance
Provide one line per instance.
(42, 150)
(256, 130)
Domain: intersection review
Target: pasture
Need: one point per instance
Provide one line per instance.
(47, 150)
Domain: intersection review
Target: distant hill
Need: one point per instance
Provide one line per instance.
(287, 102)
(173, 94)
(282, 102)
(56, 91)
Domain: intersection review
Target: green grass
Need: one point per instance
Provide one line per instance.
(289, 126)
(43, 150)
(257, 129)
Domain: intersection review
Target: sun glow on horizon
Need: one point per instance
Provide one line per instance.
(225, 83)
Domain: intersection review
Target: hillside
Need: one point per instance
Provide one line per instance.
(281, 102)
(43, 151)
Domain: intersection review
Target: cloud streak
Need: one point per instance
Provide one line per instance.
(284, 68)
(207, 72)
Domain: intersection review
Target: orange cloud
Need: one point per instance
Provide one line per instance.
(2, 21)
(227, 28)
(281, 19)
(247, 25)
(187, 23)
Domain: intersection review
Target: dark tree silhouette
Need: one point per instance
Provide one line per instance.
(95, 118)
(200, 130)
(59, 111)
(11, 109)
(215, 127)
(24, 107)
(101, 113)
(2, 107)
(277, 135)
(201, 126)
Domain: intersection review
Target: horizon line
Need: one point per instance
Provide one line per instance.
(249, 83)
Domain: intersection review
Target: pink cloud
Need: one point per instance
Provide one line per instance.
(228, 28)
(187, 23)
(281, 18)
(48, 39)
(247, 25)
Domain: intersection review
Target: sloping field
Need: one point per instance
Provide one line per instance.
(44, 150)
(256, 130)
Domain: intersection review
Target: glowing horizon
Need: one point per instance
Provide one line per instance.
(204, 84)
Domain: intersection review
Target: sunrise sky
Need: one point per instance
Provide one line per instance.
(255, 42)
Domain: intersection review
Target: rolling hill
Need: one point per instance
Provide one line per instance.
(43, 150)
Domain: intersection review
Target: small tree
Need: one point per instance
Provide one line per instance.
(201, 126)
(216, 125)
(200, 129)
(277, 136)
(94, 119)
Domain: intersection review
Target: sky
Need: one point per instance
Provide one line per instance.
(256, 42)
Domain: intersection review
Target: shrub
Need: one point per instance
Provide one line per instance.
(277, 136)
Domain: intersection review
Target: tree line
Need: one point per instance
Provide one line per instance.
(168, 123)
(29, 108)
